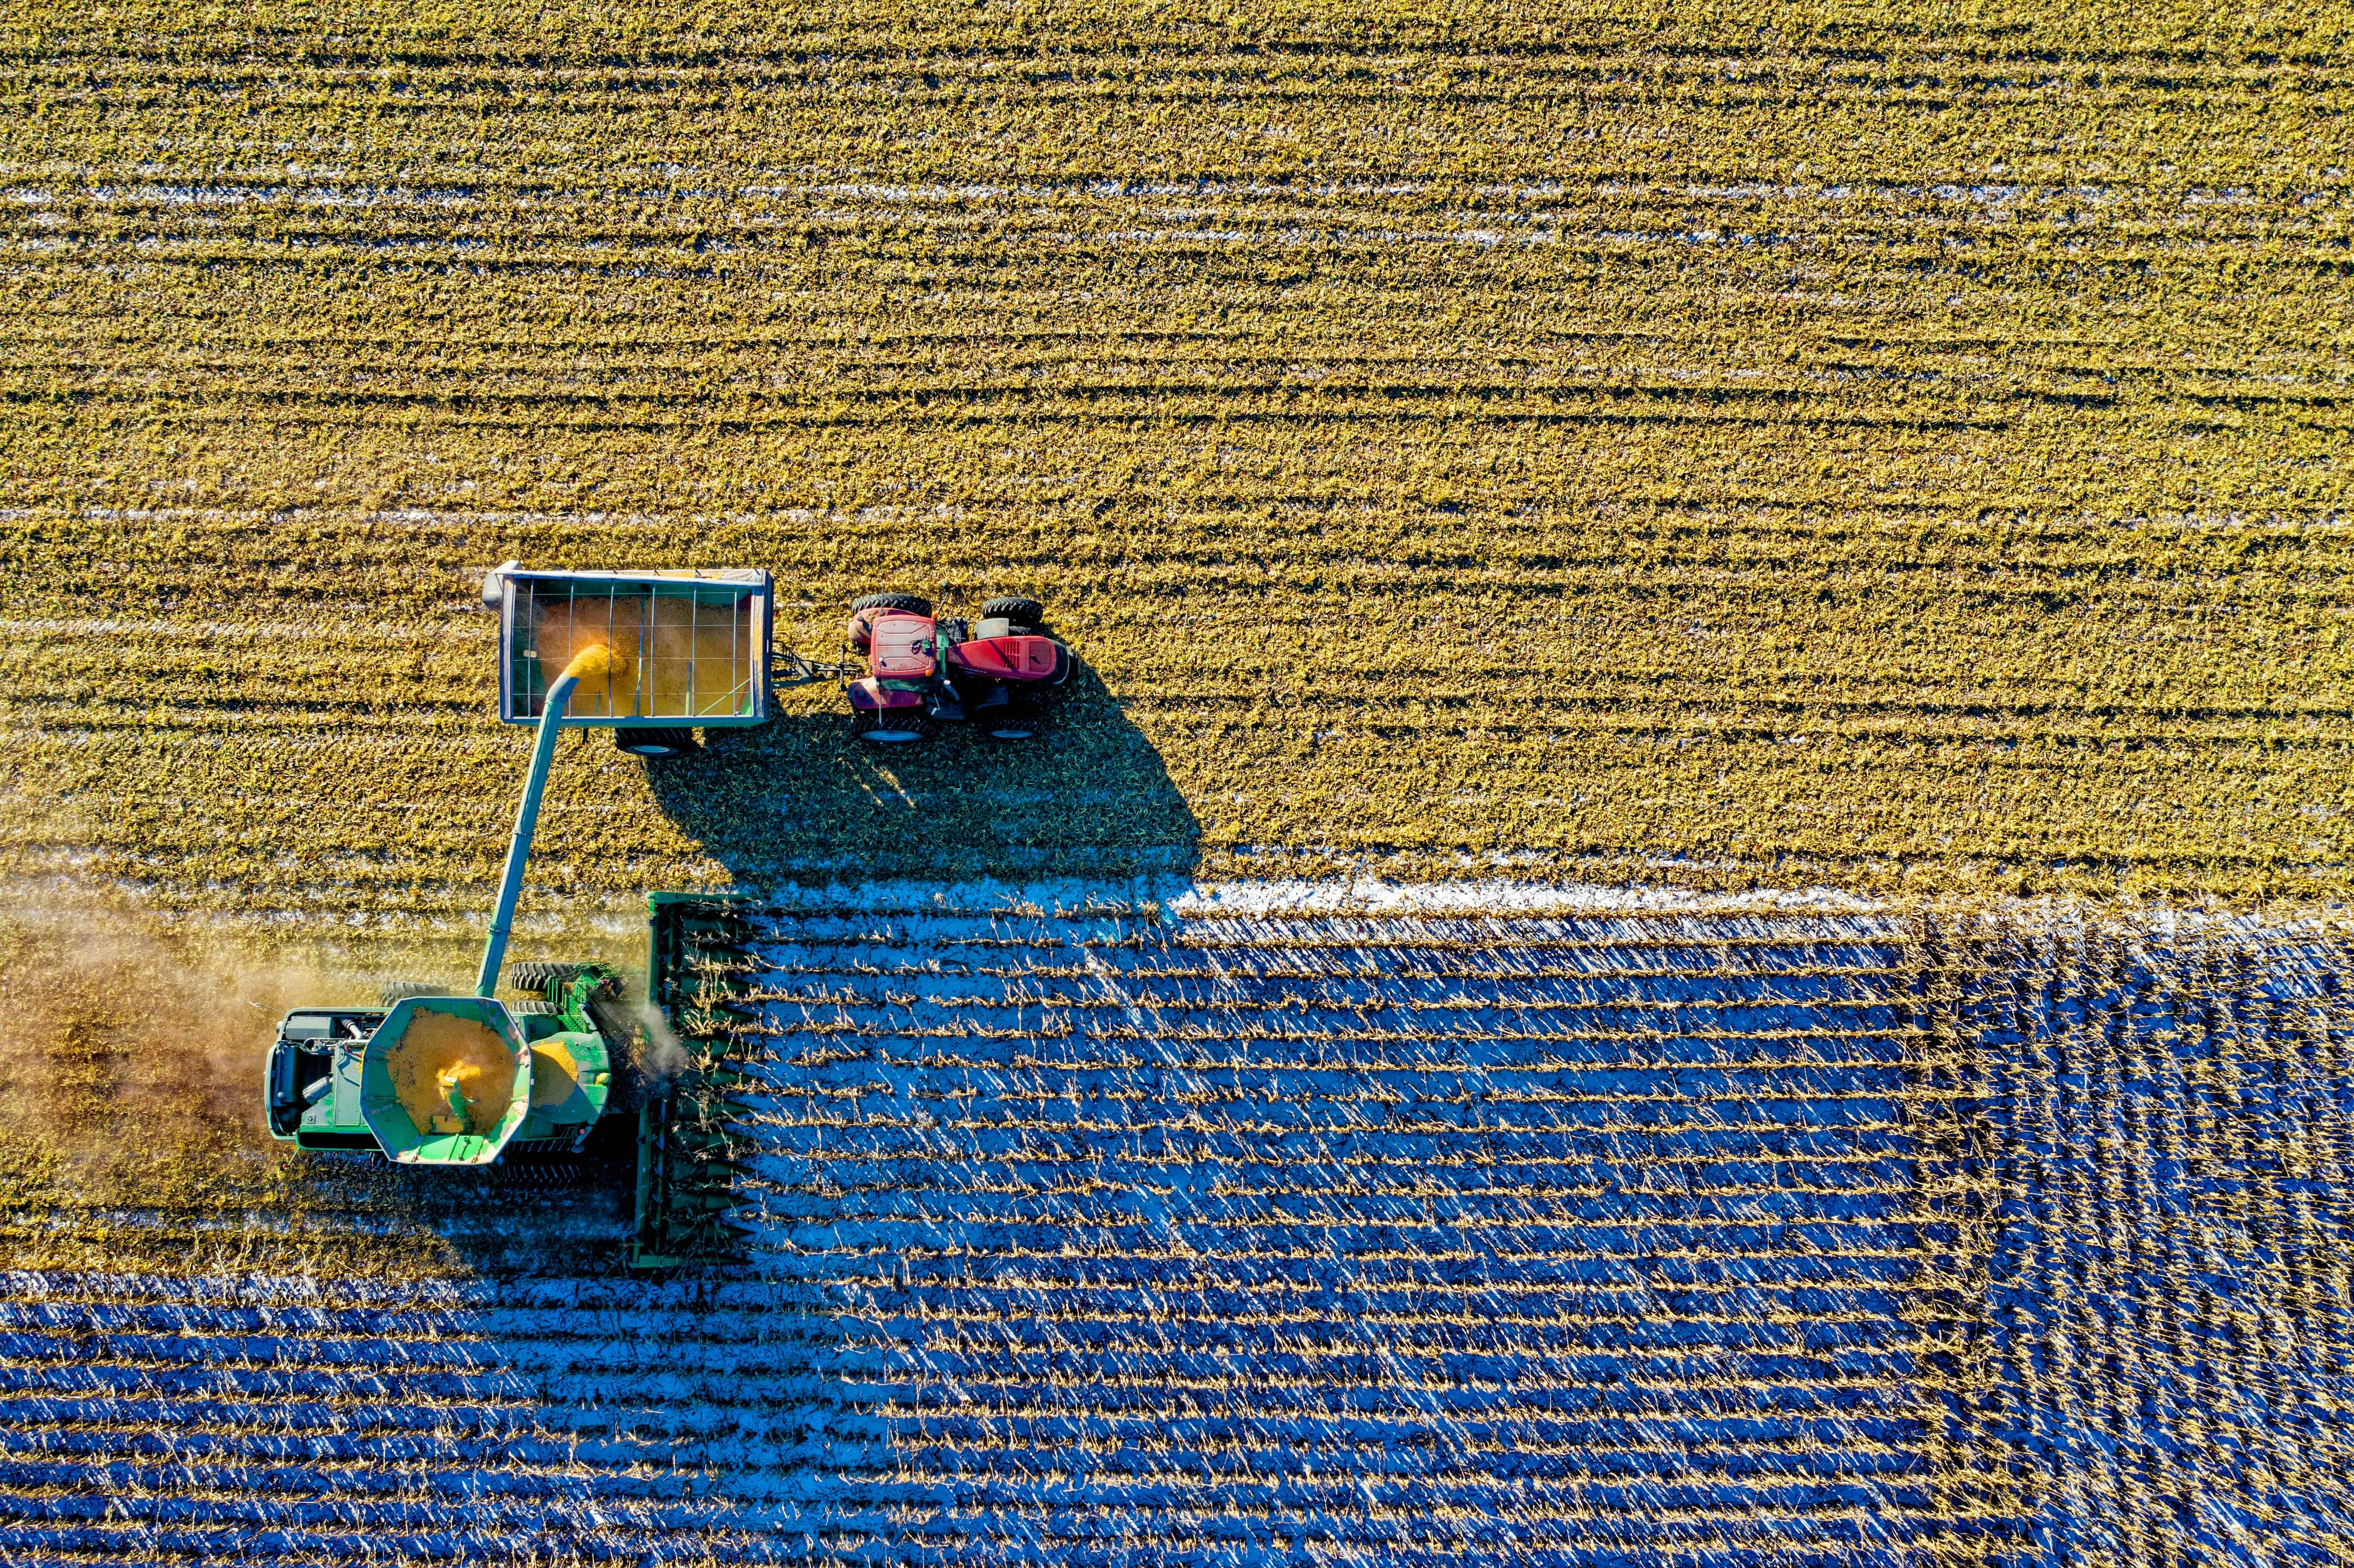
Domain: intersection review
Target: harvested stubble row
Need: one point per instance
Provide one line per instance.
(1838, 449)
(1082, 1237)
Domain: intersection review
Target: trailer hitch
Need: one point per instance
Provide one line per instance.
(790, 669)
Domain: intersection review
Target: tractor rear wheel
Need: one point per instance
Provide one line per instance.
(1007, 713)
(1026, 614)
(657, 743)
(535, 974)
(891, 727)
(401, 990)
(914, 604)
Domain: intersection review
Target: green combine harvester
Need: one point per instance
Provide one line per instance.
(549, 1078)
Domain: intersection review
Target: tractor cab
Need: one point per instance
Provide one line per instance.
(902, 647)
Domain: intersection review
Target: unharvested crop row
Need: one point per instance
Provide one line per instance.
(2161, 1123)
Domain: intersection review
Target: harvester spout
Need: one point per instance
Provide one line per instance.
(595, 662)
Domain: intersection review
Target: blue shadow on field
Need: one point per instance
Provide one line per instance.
(800, 799)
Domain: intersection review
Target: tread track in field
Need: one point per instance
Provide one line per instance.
(1092, 1236)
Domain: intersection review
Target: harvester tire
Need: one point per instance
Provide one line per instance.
(401, 990)
(891, 727)
(656, 743)
(914, 604)
(1026, 614)
(539, 975)
(531, 1009)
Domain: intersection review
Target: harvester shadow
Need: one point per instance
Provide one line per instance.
(801, 800)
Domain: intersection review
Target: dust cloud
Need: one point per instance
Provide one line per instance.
(121, 1035)
(114, 1029)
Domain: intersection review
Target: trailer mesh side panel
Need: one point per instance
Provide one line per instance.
(693, 652)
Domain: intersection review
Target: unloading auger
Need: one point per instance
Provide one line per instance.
(431, 1078)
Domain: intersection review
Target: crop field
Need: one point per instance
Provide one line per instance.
(1689, 910)
(1243, 1233)
(1664, 446)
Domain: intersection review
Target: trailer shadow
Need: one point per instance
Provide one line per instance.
(798, 800)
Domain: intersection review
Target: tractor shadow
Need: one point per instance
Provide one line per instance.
(800, 800)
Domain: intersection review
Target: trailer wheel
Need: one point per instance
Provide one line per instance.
(536, 974)
(657, 743)
(891, 727)
(1026, 613)
(914, 604)
(401, 990)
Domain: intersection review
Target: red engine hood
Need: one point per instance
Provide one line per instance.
(1004, 658)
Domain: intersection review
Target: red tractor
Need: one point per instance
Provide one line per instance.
(995, 673)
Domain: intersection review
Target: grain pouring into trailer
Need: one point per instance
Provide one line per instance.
(434, 1079)
(693, 650)
(431, 1078)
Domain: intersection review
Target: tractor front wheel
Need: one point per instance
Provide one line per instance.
(891, 727)
(657, 743)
